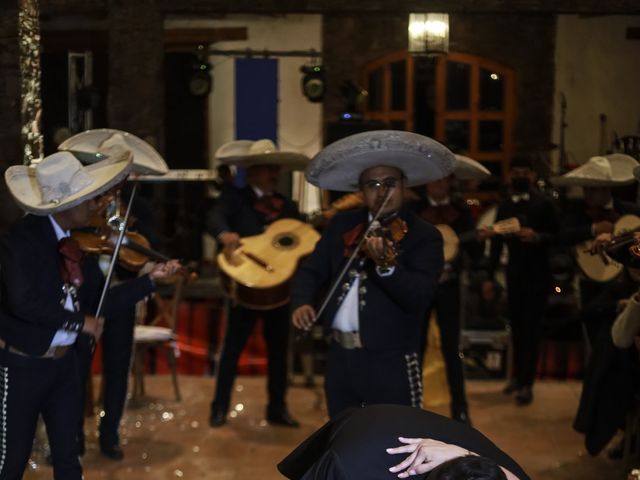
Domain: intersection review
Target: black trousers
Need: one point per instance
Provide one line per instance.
(366, 377)
(30, 387)
(117, 342)
(446, 304)
(240, 323)
(528, 297)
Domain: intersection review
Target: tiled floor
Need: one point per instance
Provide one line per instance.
(170, 440)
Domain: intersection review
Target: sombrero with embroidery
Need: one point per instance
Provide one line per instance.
(611, 170)
(248, 153)
(469, 169)
(93, 145)
(61, 182)
(339, 165)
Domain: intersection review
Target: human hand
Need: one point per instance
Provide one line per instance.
(527, 234)
(93, 326)
(485, 232)
(230, 240)
(379, 250)
(425, 454)
(600, 241)
(164, 270)
(303, 317)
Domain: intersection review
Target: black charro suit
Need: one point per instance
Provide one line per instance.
(457, 215)
(33, 301)
(386, 369)
(577, 222)
(239, 210)
(353, 445)
(528, 276)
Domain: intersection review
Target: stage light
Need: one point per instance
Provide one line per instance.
(313, 83)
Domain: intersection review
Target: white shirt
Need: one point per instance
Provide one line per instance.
(347, 318)
(63, 337)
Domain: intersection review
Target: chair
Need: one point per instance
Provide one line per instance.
(159, 333)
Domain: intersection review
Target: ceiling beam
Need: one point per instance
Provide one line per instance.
(274, 7)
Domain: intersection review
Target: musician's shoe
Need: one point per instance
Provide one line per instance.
(218, 418)
(511, 387)
(114, 452)
(524, 396)
(283, 418)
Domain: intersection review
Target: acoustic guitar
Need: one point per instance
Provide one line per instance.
(256, 275)
(451, 241)
(599, 266)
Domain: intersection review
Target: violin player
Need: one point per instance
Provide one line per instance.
(592, 215)
(241, 212)
(50, 293)
(441, 205)
(373, 318)
(117, 337)
(528, 271)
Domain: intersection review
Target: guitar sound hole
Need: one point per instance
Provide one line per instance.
(285, 241)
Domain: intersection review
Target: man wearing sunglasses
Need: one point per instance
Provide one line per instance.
(375, 304)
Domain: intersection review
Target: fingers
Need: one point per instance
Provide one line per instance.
(404, 464)
(402, 449)
(303, 317)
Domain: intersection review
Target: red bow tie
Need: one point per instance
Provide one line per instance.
(71, 258)
(270, 206)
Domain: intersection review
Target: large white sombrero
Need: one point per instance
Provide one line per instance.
(92, 145)
(469, 169)
(611, 170)
(61, 182)
(339, 165)
(248, 153)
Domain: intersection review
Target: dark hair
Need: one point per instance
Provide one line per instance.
(470, 467)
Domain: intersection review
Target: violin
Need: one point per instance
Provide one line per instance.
(392, 232)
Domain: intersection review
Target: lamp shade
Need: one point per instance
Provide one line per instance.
(428, 33)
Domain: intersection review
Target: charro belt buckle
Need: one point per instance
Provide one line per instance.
(348, 340)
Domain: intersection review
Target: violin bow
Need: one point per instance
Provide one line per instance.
(116, 249)
(347, 265)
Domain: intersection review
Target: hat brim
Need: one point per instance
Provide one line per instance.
(23, 185)
(146, 159)
(340, 165)
(286, 160)
(469, 169)
(561, 181)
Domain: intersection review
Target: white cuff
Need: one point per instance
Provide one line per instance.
(385, 272)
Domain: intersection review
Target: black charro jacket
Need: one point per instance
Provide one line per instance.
(394, 305)
(32, 296)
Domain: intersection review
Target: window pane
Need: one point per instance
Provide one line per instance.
(491, 90)
(458, 81)
(398, 125)
(495, 167)
(490, 136)
(398, 85)
(456, 135)
(376, 90)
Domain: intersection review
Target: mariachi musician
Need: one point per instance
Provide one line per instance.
(441, 206)
(594, 214)
(117, 338)
(528, 271)
(50, 294)
(374, 310)
(242, 212)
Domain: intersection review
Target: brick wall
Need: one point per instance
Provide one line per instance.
(522, 42)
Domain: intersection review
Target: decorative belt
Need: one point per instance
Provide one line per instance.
(348, 340)
(53, 352)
